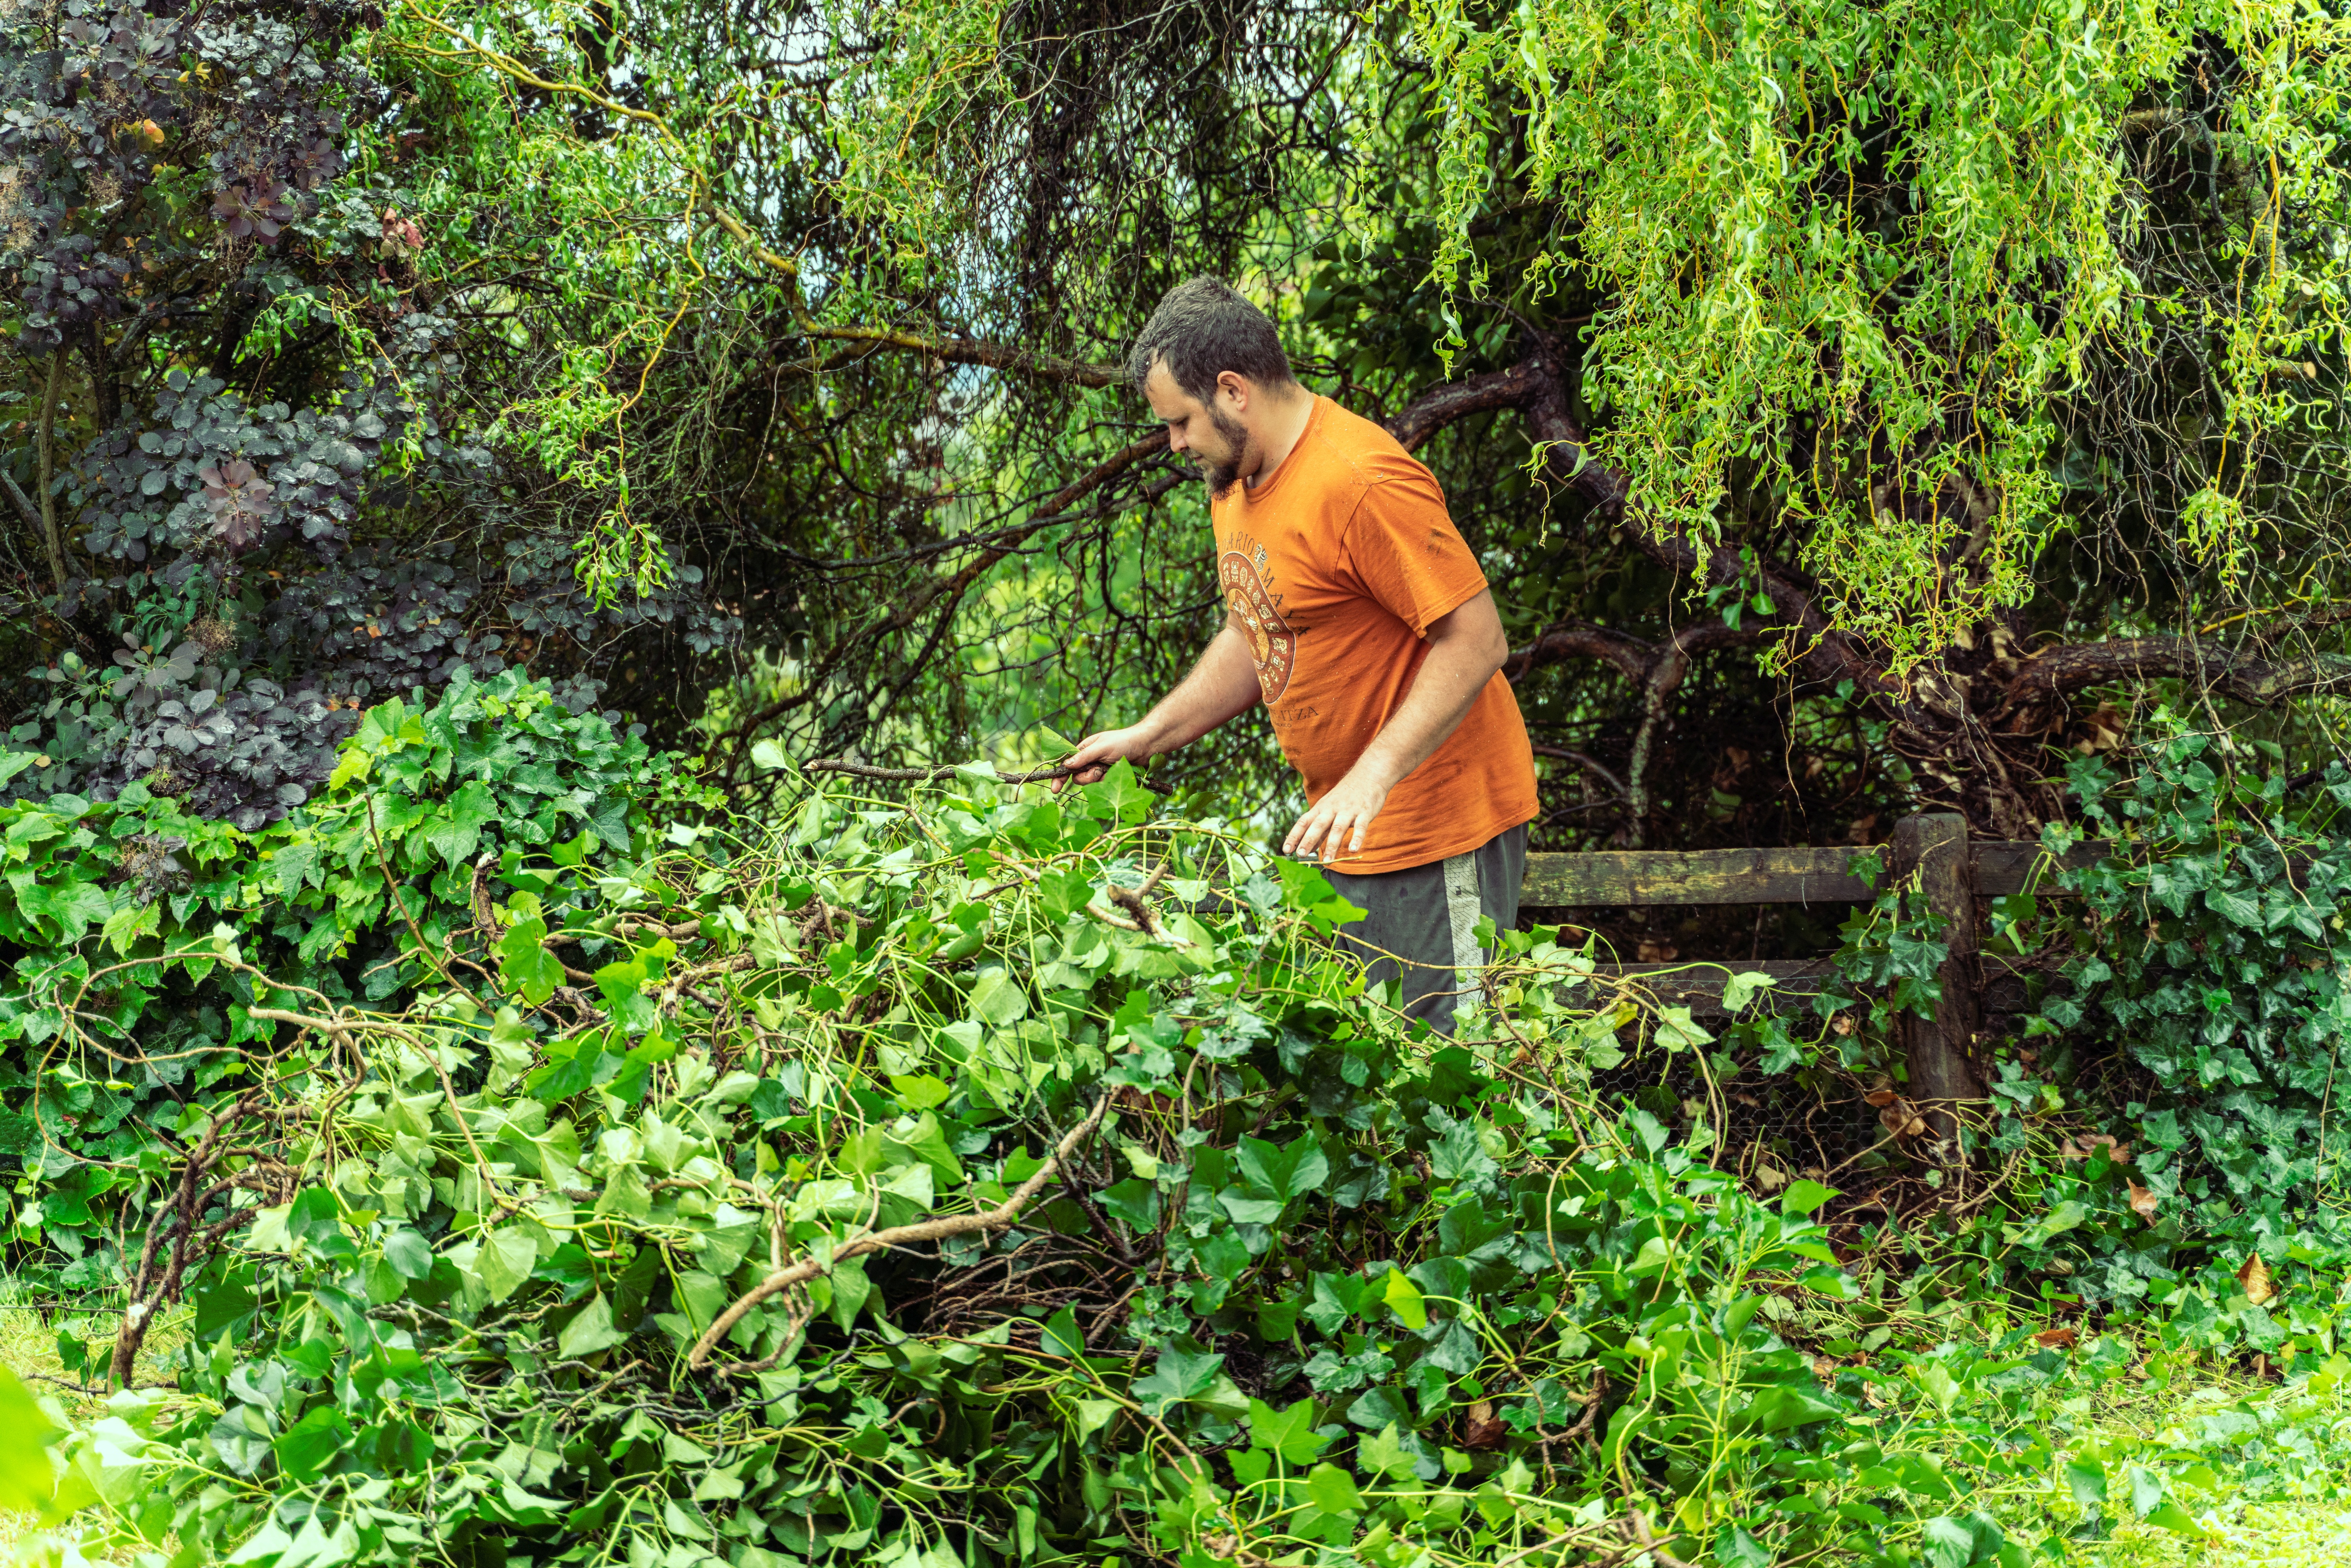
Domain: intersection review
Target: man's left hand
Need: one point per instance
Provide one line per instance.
(1337, 822)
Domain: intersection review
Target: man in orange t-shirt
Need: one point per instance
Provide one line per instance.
(1355, 612)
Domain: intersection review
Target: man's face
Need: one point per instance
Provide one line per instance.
(1216, 438)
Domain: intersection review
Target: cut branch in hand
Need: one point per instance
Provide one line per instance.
(807, 1268)
(948, 770)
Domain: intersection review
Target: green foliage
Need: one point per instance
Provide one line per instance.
(1821, 231)
(1312, 1283)
(138, 937)
(2207, 952)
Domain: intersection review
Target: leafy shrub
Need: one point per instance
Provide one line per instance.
(249, 528)
(134, 930)
(2202, 1022)
(664, 1240)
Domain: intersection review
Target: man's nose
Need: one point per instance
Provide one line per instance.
(1175, 441)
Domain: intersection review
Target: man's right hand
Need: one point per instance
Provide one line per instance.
(1220, 687)
(1094, 754)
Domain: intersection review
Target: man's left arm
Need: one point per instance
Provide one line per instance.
(1466, 647)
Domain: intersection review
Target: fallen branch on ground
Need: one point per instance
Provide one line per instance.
(807, 1268)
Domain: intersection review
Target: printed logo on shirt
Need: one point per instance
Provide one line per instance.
(1271, 642)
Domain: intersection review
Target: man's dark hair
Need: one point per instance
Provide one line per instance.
(1203, 328)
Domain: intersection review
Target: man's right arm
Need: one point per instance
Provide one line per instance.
(1222, 685)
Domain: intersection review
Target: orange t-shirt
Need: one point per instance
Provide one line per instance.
(1335, 565)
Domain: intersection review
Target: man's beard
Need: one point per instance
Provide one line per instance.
(1222, 477)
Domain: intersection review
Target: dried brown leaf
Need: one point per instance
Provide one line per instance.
(2255, 1277)
(2063, 1337)
(1480, 1428)
(2142, 1203)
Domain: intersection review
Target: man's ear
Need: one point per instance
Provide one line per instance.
(1232, 384)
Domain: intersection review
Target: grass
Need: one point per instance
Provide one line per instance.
(29, 1348)
(2303, 1534)
(2311, 1524)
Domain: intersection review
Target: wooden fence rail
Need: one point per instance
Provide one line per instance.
(1941, 1053)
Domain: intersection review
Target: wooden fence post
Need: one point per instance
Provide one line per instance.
(1940, 1051)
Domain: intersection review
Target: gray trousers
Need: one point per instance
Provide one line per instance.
(1421, 922)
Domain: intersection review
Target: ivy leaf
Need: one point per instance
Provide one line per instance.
(410, 1254)
(456, 830)
(27, 1478)
(1061, 1336)
(306, 1450)
(1457, 1154)
(1332, 1489)
(1290, 1433)
(1180, 1377)
(996, 998)
(1384, 1453)
(1735, 1548)
(72, 906)
(1133, 1200)
(1804, 1197)
(2234, 907)
(1949, 1544)
(2178, 1520)
(1677, 1030)
(622, 984)
(1118, 798)
(1402, 1298)
(1285, 1173)
(2147, 1490)
(505, 1261)
(525, 966)
(590, 1330)
(1784, 1406)
(2061, 1218)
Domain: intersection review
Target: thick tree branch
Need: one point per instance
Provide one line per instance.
(972, 352)
(1585, 760)
(1829, 656)
(1576, 639)
(1440, 406)
(2224, 672)
(21, 501)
